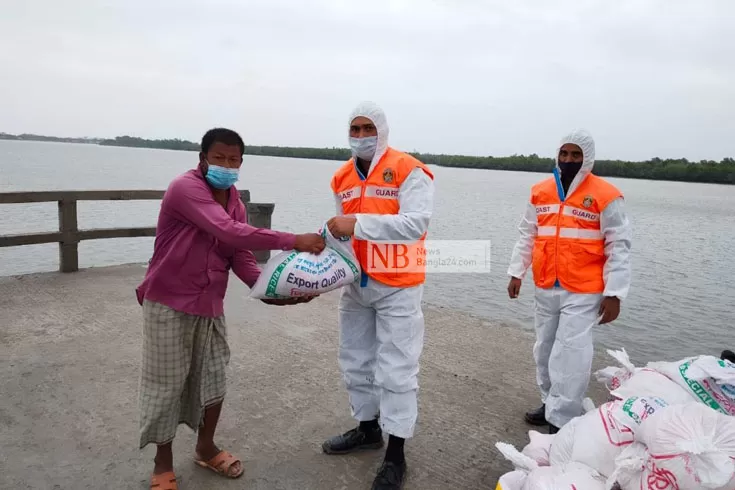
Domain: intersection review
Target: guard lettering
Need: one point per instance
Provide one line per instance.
(386, 192)
(585, 215)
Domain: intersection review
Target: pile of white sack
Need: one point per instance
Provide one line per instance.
(293, 274)
(668, 426)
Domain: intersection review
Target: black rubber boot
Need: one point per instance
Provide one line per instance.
(728, 355)
(354, 440)
(537, 417)
(390, 476)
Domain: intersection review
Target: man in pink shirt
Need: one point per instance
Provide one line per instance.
(202, 234)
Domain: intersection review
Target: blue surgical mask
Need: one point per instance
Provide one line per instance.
(221, 177)
(364, 148)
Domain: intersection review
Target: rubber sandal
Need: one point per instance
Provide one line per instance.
(164, 481)
(221, 464)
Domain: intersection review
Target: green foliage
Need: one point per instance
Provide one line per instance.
(655, 169)
(175, 144)
(296, 152)
(37, 137)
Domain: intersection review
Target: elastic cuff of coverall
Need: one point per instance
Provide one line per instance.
(366, 413)
(617, 294)
(519, 275)
(358, 233)
(397, 430)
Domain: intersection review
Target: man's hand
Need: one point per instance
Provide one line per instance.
(288, 301)
(514, 287)
(341, 226)
(305, 299)
(609, 309)
(309, 242)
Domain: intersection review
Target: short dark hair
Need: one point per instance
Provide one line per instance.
(222, 135)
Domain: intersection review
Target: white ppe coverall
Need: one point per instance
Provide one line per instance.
(382, 327)
(564, 320)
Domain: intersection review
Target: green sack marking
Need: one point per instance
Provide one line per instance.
(273, 281)
(699, 390)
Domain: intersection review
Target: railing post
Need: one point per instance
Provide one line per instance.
(69, 244)
(259, 215)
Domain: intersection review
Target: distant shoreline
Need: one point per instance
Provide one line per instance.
(680, 170)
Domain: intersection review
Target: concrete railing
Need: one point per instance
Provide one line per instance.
(69, 234)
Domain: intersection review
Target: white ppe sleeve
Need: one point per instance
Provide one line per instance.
(615, 226)
(522, 256)
(338, 203)
(416, 201)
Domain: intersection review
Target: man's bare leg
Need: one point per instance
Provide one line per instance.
(206, 449)
(164, 460)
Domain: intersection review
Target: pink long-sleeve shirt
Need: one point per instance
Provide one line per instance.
(197, 243)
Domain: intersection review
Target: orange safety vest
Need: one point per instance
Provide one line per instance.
(396, 264)
(569, 245)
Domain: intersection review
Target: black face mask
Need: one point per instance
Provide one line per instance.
(569, 170)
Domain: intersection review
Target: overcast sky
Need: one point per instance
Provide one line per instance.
(484, 77)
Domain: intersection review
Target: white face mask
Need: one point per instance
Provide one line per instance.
(364, 148)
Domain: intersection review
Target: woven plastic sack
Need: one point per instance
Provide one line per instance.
(512, 481)
(707, 379)
(538, 447)
(530, 476)
(681, 447)
(598, 437)
(626, 380)
(293, 274)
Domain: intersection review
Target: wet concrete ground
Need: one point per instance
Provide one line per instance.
(69, 364)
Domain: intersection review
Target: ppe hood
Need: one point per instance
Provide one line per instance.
(373, 112)
(584, 140)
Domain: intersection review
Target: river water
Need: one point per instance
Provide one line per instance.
(681, 300)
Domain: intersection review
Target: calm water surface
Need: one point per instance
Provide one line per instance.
(681, 301)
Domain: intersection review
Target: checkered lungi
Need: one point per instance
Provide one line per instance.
(183, 370)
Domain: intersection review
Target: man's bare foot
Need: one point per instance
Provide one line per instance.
(159, 469)
(205, 452)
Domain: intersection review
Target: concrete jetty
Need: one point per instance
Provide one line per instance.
(70, 347)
